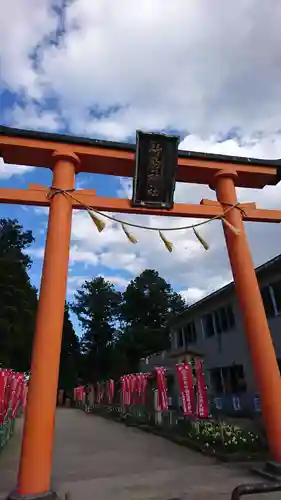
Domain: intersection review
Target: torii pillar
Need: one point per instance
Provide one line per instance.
(257, 331)
(35, 466)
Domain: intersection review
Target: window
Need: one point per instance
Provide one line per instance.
(267, 301)
(234, 379)
(190, 334)
(219, 321)
(224, 319)
(208, 325)
(179, 338)
(231, 318)
(216, 380)
(276, 289)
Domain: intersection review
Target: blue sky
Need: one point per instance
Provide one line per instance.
(209, 74)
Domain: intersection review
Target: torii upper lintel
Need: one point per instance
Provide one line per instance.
(24, 147)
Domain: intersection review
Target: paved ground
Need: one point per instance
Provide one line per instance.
(96, 459)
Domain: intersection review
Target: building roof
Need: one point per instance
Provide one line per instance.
(83, 141)
(185, 352)
(270, 264)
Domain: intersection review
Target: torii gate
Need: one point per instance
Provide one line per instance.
(66, 156)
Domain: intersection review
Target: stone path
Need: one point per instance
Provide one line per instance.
(96, 459)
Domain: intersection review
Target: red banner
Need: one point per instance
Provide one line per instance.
(24, 395)
(98, 393)
(102, 391)
(202, 409)
(2, 394)
(133, 386)
(79, 393)
(17, 392)
(12, 386)
(111, 390)
(125, 390)
(138, 388)
(144, 380)
(162, 389)
(186, 388)
(109, 387)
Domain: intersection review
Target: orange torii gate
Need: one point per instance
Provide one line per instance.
(66, 156)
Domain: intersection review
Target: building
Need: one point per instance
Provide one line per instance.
(212, 328)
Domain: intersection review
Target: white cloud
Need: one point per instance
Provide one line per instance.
(76, 255)
(23, 26)
(85, 257)
(41, 210)
(73, 283)
(31, 116)
(192, 295)
(37, 253)
(189, 64)
(7, 170)
(118, 281)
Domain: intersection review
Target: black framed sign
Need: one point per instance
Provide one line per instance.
(155, 168)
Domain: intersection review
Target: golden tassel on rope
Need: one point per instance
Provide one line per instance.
(200, 239)
(231, 227)
(100, 225)
(130, 237)
(168, 244)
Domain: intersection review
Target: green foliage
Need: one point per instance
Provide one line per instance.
(18, 298)
(97, 305)
(70, 356)
(18, 305)
(148, 305)
(119, 329)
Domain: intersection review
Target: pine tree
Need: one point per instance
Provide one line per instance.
(97, 305)
(70, 356)
(18, 298)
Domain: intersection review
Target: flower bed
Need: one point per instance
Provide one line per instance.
(229, 438)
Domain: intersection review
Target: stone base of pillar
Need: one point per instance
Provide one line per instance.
(270, 471)
(50, 495)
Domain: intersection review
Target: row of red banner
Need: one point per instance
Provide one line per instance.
(98, 394)
(133, 390)
(13, 393)
(185, 379)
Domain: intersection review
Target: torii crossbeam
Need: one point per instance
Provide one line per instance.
(66, 156)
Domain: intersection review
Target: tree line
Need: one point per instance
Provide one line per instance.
(118, 328)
